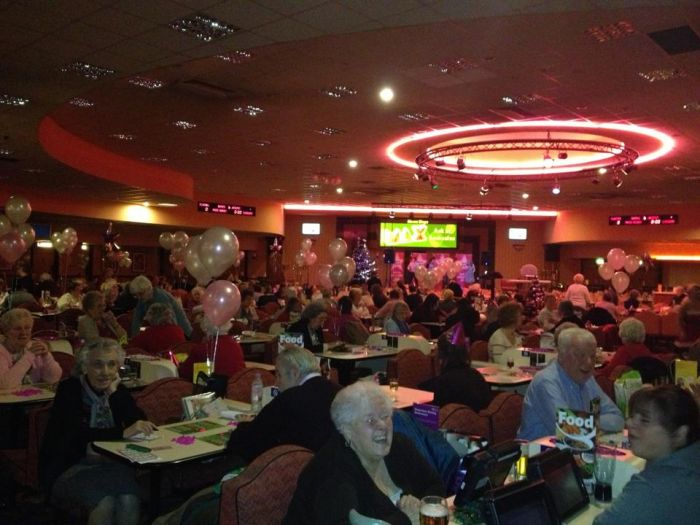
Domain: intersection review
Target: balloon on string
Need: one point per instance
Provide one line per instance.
(181, 238)
(17, 209)
(452, 272)
(5, 224)
(620, 281)
(300, 258)
(606, 271)
(337, 248)
(193, 263)
(310, 258)
(616, 258)
(12, 246)
(70, 239)
(218, 250)
(430, 279)
(166, 240)
(632, 263)
(338, 274)
(220, 302)
(306, 244)
(350, 265)
(27, 233)
(323, 275)
(57, 242)
(420, 271)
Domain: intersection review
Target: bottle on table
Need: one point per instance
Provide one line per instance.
(256, 392)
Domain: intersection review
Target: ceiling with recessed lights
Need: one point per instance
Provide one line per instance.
(158, 101)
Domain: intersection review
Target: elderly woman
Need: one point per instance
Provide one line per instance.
(577, 292)
(141, 288)
(510, 317)
(364, 466)
(97, 322)
(72, 298)
(92, 406)
(222, 350)
(311, 325)
(161, 333)
(350, 329)
(110, 290)
(664, 429)
(22, 359)
(632, 333)
(397, 323)
(689, 318)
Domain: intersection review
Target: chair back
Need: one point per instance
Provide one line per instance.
(420, 329)
(271, 308)
(65, 361)
(262, 493)
(161, 401)
(669, 324)
(607, 385)
(411, 367)
(504, 413)
(463, 420)
(652, 370)
(611, 336)
(238, 387)
(479, 351)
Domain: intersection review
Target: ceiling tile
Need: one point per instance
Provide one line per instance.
(88, 35)
(331, 18)
(118, 22)
(157, 11)
(290, 8)
(244, 14)
(170, 39)
(287, 29)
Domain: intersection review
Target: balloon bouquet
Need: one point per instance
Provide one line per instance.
(616, 261)
(342, 269)
(16, 236)
(429, 277)
(305, 257)
(113, 252)
(206, 257)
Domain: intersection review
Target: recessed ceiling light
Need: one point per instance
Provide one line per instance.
(657, 75)
(123, 136)
(204, 27)
(339, 91)
(414, 117)
(526, 195)
(314, 186)
(608, 32)
(339, 190)
(4, 152)
(11, 100)
(325, 156)
(519, 100)
(306, 201)
(154, 159)
(81, 102)
(692, 106)
(148, 83)
(201, 151)
(251, 111)
(87, 70)
(184, 124)
(235, 57)
(386, 94)
(352, 163)
(330, 131)
(535, 208)
(262, 143)
(453, 65)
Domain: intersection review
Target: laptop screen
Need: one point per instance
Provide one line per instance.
(558, 470)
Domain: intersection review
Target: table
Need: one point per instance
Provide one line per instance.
(26, 394)
(248, 340)
(501, 377)
(174, 447)
(407, 397)
(345, 361)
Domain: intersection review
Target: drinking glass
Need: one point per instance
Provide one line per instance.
(434, 511)
(394, 389)
(604, 471)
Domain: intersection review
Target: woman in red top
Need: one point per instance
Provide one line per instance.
(632, 333)
(162, 332)
(229, 354)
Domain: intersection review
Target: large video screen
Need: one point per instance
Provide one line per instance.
(417, 234)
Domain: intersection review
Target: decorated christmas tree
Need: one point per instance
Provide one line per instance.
(365, 265)
(534, 302)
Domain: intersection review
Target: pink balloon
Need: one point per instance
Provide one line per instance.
(310, 258)
(221, 301)
(620, 281)
(12, 246)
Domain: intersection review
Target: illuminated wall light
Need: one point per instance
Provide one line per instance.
(469, 217)
(339, 190)
(386, 94)
(526, 195)
(681, 258)
(84, 246)
(535, 208)
(359, 208)
(599, 260)
(556, 189)
(137, 213)
(392, 214)
(306, 201)
(352, 163)
(602, 171)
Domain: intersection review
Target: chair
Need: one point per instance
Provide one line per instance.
(479, 351)
(669, 325)
(161, 400)
(65, 361)
(607, 385)
(411, 367)
(531, 341)
(611, 337)
(238, 387)
(652, 370)
(497, 422)
(271, 308)
(418, 328)
(651, 322)
(262, 493)
(463, 420)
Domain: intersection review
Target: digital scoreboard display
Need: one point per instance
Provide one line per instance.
(639, 220)
(226, 209)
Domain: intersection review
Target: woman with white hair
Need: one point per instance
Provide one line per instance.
(162, 333)
(577, 292)
(92, 406)
(364, 466)
(224, 354)
(397, 324)
(632, 334)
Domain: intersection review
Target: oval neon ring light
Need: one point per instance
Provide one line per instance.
(661, 145)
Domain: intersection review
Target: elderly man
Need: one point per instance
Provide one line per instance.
(141, 288)
(567, 383)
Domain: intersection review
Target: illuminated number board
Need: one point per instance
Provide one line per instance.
(640, 220)
(226, 209)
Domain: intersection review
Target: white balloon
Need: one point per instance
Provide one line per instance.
(632, 263)
(338, 247)
(606, 271)
(620, 281)
(616, 257)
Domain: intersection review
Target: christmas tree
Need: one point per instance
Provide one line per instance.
(365, 266)
(534, 302)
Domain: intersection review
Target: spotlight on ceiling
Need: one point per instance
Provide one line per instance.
(563, 155)
(485, 189)
(460, 163)
(386, 94)
(526, 195)
(602, 171)
(617, 181)
(339, 190)
(416, 176)
(352, 163)
(556, 189)
(547, 161)
(392, 214)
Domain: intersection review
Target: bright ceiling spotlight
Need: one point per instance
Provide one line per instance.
(556, 189)
(535, 208)
(526, 195)
(547, 161)
(352, 163)
(602, 171)
(386, 94)
(485, 189)
(469, 216)
(460, 163)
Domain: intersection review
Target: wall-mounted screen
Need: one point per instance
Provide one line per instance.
(310, 228)
(417, 234)
(517, 234)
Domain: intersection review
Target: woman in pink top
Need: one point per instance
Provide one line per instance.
(23, 360)
(632, 333)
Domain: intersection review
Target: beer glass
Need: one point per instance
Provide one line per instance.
(434, 511)
(394, 389)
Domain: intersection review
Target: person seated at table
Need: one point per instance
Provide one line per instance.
(427, 312)
(248, 313)
(466, 317)
(351, 329)
(664, 429)
(161, 333)
(577, 293)
(510, 317)
(447, 304)
(632, 333)
(193, 300)
(97, 322)
(298, 415)
(378, 297)
(633, 300)
(110, 291)
(291, 311)
(141, 288)
(679, 295)
(92, 406)
(385, 311)
(491, 324)
(567, 382)
(567, 314)
(73, 298)
(311, 325)
(364, 466)
(413, 298)
(689, 318)
(606, 303)
(397, 323)
(24, 360)
(548, 317)
(223, 351)
(359, 308)
(458, 382)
